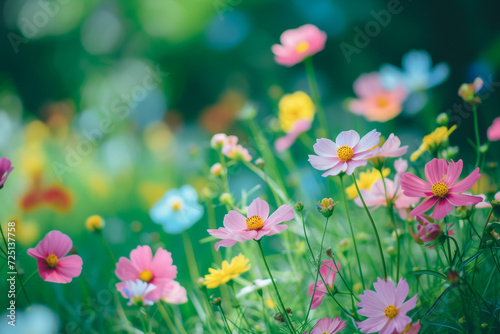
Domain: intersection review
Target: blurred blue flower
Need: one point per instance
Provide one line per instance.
(177, 210)
(417, 73)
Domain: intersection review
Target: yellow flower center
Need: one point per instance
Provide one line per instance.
(440, 189)
(345, 153)
(406, 329)
(254, 222)
(391, 311)
(52, 260)
(302, 47)
(177, 206)
(146, 276)
(382, 102)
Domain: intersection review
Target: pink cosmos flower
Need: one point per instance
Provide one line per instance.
(345, 154)
(441, 188)
(220, 139)
(257, 224)
(390, 149)
(297, 44)
(328, 271)
(410, 329)
(494, 130)
(286, 141)
(174, 293)
(53, 265)
(429, 232)
(157, 270)
(386, 307)
(233, 151)
(138, 292)
(376, 103)
(5, 169)
(328, 326)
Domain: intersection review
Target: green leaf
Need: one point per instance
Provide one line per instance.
(428, 272)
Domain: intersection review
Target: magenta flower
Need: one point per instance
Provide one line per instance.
(157, 270)
(386, 307)
(328, 326)
(429, 232)
(375, 102)
(257, 224)
(493, 131)
(328, 271)
(5, 169)
(53, 265)
(441, 188)
(345, 154)
(297, 44)
(390, 149)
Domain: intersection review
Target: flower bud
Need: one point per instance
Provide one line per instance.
(344, 245)
(95, 223)
(299, 206)
(216, 169)
(226, 198)
(467, 91)
(216, 301)
(326, 207)
(260, 163)
(452, 276)
(442, 119)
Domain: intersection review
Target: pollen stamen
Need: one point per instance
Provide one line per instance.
(440, 189)
(345, 153)
(254, 222)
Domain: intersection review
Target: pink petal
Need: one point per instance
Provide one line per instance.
(224, 243)
(368, 85)
(425, 206)
(235, 221)
(50, 274)
(372, 324)
(325, 147)
(275, 229)
(258, 207)
(335, 170)
(386, 291)
(409, 305)
(414, 186)
(322, 163)
(389, 327)
(54, 242)
(435, 170)
(443, 207)
(126, 270)
(70, 266)
(353, 164)
(453, 173)
(467, 182)
(368, 141)
(174, 293)
(142, 257)
(162, 265)
(283, 214)
(347, 138)
(285, 142)
(462, 200)
(371, 304)
(401, 292)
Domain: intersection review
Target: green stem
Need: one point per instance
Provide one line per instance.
(476, 130)
(341, 176)
(373, 225)
(283, 312)
(166, 317)
(188, 248)
(315, 93)
(108, 248)
(224, 319)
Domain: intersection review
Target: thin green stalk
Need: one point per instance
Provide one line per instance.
(224, 319)
(341, 176)
(373, 225)
(284, 313)
(108, 248)
(191, 260)
(476, 130)
(390, 211)
(166, 317)
(315, 93)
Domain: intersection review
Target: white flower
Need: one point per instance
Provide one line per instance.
(258, 284)
(137, 292)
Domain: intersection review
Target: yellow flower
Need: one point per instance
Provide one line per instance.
(433, 140)
(94, 223)
(365, 181)
(239, 265)
(293, 108)
(270, 303)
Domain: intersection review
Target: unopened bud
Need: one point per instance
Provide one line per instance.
(299, 206)
(442, 119)
(260, 163)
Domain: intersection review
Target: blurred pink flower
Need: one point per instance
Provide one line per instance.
(174, 293)
(345, 154)
(410, 329)
(374, 102)
(53, 265)
(328, 326)
(494, 130)
(157, 270)
(429, 232)
(328, 271)
(5, 169)
(441, 188)
(297, 44)
(286, 141)
(467, 91)
(257, 224)
(483, 204)
(390, 149)
(386, 307)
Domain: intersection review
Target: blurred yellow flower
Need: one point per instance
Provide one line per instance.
(98, 184)
(36, 132)
(433, 140)
(27, 232)
(270, 303)
(293, 108)
(239, 265)
(151, 192)
(94, 223)
(365, 181)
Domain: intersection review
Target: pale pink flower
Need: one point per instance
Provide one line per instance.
(328, 326)
(297, 44)
(286, 141)
(410, 328)
(233, 151)
(5, 169)
(257, 224)
(386, 307)
(493, 131)
(497, 196)
(374, 102)
(138, 292)
(53, 265)
(345, 154)
(174, 293)
(441, 188)
(328, 271)
(390, 149)
(157, 270)
(220, 139)
(483, 204)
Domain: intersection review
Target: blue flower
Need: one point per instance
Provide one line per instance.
(417, 73)
(177, 210)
